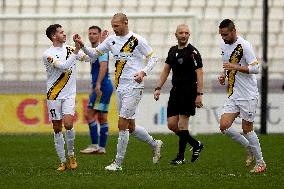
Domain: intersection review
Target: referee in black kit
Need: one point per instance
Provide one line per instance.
(186, 93)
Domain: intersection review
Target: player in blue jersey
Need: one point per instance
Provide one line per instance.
(97, 110)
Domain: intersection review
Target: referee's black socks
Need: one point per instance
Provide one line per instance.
(188, 138)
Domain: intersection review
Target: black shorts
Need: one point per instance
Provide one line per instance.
(182, 101)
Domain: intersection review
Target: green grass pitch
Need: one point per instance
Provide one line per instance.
(29, 161)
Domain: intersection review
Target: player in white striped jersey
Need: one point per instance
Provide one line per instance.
(129, 51)
(60, 61)
(240, 66)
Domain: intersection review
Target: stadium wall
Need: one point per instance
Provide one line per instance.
(27, 113)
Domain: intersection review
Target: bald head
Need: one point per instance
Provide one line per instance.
(182, 34)
(119, 23)
(120, 16)
(182, 27)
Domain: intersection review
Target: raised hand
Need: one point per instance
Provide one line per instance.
(77, 39)
(104, 35)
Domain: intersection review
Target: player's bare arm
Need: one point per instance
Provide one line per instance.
(237, 67)
(102, 73)
(163, 77)
(198, 100)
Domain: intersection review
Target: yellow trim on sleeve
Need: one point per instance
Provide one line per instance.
(150, 54)
(98, 51)
(83, 58)
(254, 63)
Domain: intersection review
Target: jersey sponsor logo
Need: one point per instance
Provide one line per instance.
(59, 84)
(235, 58)
(70, 50)
(127, 48)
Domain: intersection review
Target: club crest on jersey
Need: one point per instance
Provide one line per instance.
(49, 59)
(180, 60)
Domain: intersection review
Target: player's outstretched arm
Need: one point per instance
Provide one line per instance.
(93, 53)
(63, 65)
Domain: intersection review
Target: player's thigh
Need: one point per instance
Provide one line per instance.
(173, 123)
(68, 106)
(54, 109)
(103, 104)
(227, 120)
(229, 114)
(102, 116)
(130, 101)
(230, 106)
(68, 110)
(92, 100)
(248, 109)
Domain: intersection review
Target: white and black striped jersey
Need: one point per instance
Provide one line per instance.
(241, 86)
(129, 52)
(61, 71)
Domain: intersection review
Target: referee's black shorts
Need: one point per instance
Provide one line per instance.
(182, 101)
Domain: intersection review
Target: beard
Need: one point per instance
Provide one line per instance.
(182, 42)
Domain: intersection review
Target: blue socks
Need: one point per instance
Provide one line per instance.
(103, 135)
(94, 132)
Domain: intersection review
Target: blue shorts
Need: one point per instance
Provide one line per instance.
(101, 103)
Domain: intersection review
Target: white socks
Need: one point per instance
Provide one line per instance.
(236, 136)
(123, 138)
(143, 135)
(59, 146)
(254, 145)
(70, 140)
(249, 140)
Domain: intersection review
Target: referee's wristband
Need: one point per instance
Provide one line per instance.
(157, 88)
(199, 93)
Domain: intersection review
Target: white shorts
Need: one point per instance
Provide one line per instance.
(127, 102)
(246, 108)
(58, 108)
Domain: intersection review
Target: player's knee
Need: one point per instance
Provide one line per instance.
(173, 127)
(247, 130)
(88, 116)
(57, 128)
(102, 119)
(131, 130)
(223, 126)
(68, 125)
